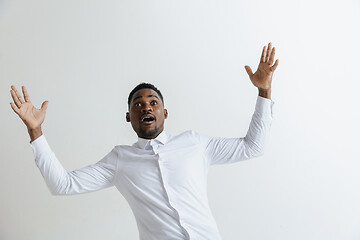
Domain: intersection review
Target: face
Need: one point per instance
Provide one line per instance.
(146, 114)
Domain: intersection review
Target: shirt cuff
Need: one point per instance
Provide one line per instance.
(264, 105)
(39, 145)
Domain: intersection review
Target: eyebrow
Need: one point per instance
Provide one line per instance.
(147, 96)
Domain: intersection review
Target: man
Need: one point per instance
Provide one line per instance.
(162, 177)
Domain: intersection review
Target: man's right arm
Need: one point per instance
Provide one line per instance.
(60, 182)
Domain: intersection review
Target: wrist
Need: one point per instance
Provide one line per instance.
(34, 133)
(265, 93)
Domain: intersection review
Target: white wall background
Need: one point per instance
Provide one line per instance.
(86, 56)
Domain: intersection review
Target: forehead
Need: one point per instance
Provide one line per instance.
(145, 93)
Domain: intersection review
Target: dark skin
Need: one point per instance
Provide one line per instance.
(145, 102)
(262, 78)
(147, 114)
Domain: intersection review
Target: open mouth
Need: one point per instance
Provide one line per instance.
(147, 118)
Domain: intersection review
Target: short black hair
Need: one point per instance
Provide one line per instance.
(143, 86)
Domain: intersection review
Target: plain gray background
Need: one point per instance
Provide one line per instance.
(86, 56)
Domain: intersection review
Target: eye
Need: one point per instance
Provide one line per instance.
(154, 102)
(137, 104)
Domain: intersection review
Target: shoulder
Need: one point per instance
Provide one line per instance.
(189, 135)
(186, 134)
(120, 149)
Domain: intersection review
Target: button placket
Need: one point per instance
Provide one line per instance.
(168, 191)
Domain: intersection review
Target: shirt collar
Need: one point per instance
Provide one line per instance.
(161, 138)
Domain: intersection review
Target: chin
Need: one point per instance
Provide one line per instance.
(149, 133)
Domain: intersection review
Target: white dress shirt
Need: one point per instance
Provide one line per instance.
(164, 180)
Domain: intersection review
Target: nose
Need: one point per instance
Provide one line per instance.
(146, 108)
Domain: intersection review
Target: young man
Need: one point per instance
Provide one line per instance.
(162, 177)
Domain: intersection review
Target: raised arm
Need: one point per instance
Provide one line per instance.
(60, 182)
(230, 150)
(31, 116)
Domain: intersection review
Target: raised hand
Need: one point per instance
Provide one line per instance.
(263, 76)
(31, 116)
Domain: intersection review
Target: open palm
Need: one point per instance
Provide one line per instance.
(31, 116)
(262, 78)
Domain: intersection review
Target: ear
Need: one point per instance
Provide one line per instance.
(165, 113)
(128, 117)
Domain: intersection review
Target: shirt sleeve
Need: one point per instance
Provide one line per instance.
(60, 182)
(230, 150)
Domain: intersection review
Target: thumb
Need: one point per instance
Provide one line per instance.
(248, 70)
(44, 106)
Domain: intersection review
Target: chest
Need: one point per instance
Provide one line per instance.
(178, 166)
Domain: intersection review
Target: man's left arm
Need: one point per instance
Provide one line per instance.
(229, 150)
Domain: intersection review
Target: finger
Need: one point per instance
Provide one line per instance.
(15, 98)
(13, 106)
(263, 54)
(18, 94)
(26, 94)
(272, 56)
(268, 52)
(44, 106)
(248, 70)
(273, 68)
